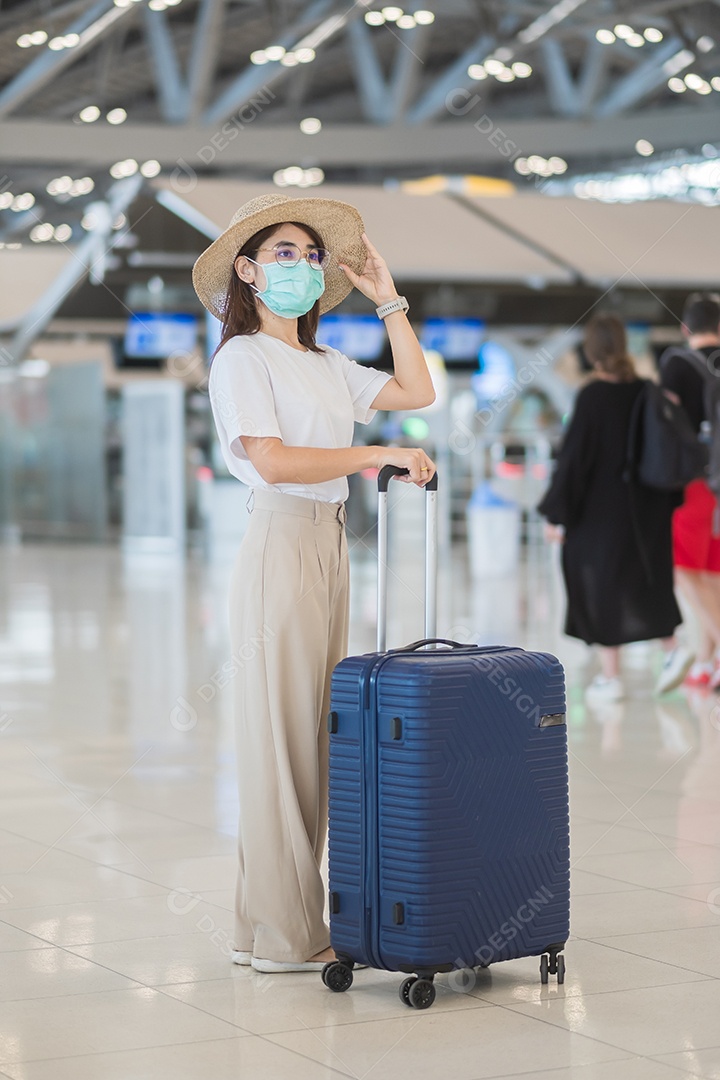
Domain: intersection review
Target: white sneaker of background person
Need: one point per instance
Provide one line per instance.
(603, 690)
(676, 665)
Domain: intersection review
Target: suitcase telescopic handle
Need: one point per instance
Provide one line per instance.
(431, 553)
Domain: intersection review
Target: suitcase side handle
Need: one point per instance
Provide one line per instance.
(433, 641)
(431, 553)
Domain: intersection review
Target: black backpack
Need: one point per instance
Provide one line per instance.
(664, 451)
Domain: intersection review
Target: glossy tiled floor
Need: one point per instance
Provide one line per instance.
(117, 817)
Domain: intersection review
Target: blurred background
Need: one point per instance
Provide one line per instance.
(519, 164)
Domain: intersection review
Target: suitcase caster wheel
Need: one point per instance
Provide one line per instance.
(421, 994)
(544, 968)
(337, 977)
(560, 969)
(405, 990)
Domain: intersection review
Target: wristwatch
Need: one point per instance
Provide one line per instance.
(398, 304)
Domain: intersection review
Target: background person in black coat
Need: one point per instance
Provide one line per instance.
(618, 575)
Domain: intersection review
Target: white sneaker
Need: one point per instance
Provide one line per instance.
(602, 691)
(244, 958)
(675, 667)
(278, 967)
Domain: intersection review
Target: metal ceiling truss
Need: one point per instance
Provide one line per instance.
(173, 66)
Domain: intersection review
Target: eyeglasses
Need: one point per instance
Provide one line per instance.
(290, 255)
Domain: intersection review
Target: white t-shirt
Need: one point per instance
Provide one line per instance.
(259, 386)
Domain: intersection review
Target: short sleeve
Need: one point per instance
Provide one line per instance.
(241, 397)
(364, 384)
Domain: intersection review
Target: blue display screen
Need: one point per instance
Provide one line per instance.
(361, 337)
(496, 370)
(150, 335)
(454, 339)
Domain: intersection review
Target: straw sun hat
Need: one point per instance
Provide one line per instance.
(337, 223)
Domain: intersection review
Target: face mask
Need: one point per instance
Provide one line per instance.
(290, 291)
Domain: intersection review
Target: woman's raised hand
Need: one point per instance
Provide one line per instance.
(421, 467)
(375, 281)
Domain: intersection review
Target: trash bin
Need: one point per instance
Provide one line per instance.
(493, 533)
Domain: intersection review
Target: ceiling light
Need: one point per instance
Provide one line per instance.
(120, 222)
(392, 14)
(275, 52)
(677, 86)
(24, 41)
(259, 57)
(312, 177)
(605, 37)
(715, 82)
(304, 56)
(374, 18)
(622, 30)
(705, 44)
(128, 167)
(653, 35)
(150, 168)
(62, 233)
(704, 88)
(116, 116)
(636, 41)
(155, 5)
(6, 198)
(424, 18)
(83, 186)
(122, 3)
(71, 40)
(406, 22)
(506, 75)
(59, 186)
(644, 147)
(41, 233)
(494, 66)
(58, 43)
(522, 70)
(89, 114)
(477, 71)
(678, 61)
(693, 80)
(90, 221)
(294, 176)
(310, 125)
(23, 202)
(557, 165)
(289, 60)
(521, 166)
(536, 163)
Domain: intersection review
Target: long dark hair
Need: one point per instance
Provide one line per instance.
(241, 313)
(606, 347)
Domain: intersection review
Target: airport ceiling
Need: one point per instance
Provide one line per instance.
(430, 92)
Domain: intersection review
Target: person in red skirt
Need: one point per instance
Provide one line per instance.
(696, 524)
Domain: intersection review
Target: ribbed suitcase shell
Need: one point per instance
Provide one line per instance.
(449, 831)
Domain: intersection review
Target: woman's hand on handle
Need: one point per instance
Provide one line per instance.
(421, 467)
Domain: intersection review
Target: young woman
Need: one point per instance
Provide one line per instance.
(617, 550)
(284, 407)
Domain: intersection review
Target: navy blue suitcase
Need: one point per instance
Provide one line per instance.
(449, 823)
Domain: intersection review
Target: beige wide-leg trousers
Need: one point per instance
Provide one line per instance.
(289, 627)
